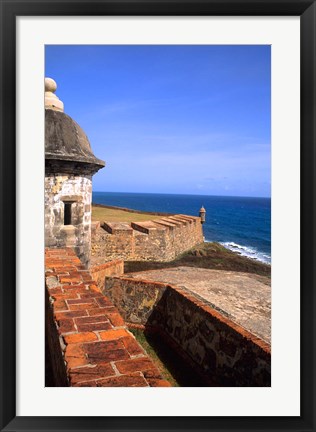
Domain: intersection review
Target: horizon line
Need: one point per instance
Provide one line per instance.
(186, 194)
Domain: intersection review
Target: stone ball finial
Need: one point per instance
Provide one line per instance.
(51, 100)
(50, 85)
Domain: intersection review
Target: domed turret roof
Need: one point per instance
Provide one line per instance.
(66, 145)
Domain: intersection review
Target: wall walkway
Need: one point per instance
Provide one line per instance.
(220, 350)
(96, 348)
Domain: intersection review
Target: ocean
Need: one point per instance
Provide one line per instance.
(241, 224)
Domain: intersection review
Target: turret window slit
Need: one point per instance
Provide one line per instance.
(67, 213)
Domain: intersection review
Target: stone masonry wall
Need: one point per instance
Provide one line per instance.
(111, 268)
(157, 240)
(77, 190)
(55, 371)
(222, 351)
(95, 347)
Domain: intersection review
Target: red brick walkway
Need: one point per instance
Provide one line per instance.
(98, 349)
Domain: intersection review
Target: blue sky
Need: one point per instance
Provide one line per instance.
(171, 119)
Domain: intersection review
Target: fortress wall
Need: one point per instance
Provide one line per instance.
(113, 246)
(152, 246)
(112, 268)
(55, 369)
(186, 234)
(223, 352)
(135, 299)
(89, 343)
(158, 240)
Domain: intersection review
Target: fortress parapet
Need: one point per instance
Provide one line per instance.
(157, 240)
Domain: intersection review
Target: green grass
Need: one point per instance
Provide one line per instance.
(115, 215)
(171, 365)
(143, 341)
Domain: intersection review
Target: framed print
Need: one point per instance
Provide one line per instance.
(184, 102)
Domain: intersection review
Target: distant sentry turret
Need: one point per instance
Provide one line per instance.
(202, 214)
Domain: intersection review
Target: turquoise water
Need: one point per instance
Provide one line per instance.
(241, 224)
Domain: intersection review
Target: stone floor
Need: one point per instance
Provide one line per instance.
(242, 297)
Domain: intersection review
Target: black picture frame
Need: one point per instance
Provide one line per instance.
(9, 11)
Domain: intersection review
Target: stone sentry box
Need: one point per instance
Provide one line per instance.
(69, 167)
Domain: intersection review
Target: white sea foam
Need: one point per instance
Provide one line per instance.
(247, 251)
